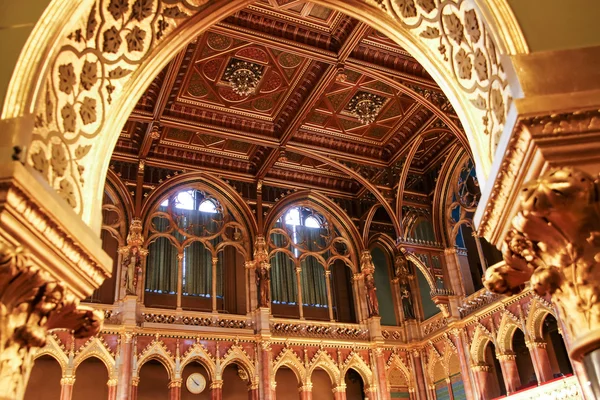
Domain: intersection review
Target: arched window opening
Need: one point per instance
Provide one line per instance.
(196, 241)
(91, 379)
(496, 386)
(287, 384)
(383, 277)
(154, 381)
(308, 257)
(200, 377)
(523, 360)
(322, 388)
(44, 380)
(557, 351)
(235, 382)
(355, 386)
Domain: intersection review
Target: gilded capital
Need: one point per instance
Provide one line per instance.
(555, 244)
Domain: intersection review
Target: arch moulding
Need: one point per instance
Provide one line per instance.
(86, 64)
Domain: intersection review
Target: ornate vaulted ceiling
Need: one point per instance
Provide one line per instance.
(296, 129)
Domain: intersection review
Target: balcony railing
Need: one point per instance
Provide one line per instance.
(195, 318)
(565, 388)
(333, 330)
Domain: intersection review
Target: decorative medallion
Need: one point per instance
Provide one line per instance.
(365, 106)
(243, 76)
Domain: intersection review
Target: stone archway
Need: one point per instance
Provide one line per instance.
(90, 64)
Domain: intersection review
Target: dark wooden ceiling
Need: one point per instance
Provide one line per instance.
(190, 118)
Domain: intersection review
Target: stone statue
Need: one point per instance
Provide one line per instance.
(407, 306)
(401, 266)
(263, 281)
(372, 303)
(132, 266)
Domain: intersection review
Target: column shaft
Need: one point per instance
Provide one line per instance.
(419, 376)
(299, 285)
(175, 389)
(339, 393)
(482, 374)
(508, 364)
(541, 362)
(112, 391)
(384, 393)
(329, 301)
(480, 252)
(216, 390)
(265, 372)
(66, 387)
(179, 279)
(253, 394)
(465, 369)
(305, 393)
(125, 382)
(213, 291)
(450, 391)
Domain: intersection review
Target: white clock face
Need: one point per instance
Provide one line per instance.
(195, 383)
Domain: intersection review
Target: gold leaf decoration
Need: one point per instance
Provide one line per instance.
(88, 110)
(59, 160)
(464, 64)
(407, 8)
(89, 75)
(454, 27)
(135, 39)
(117, 8)
(480, 65)
(67, 78)
(67, 192)
(40, 163)
(112, 40)
(81, 151)
(430, 33)
(69, 118)
(141, 9)
(427, 5)
(472, 25)
(118, 73)
(497, 103)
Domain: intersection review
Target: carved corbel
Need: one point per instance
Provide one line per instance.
(555, 244)
(31, 303)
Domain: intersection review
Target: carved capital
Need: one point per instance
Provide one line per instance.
(31, 304)
(216, 384)
(506, 357)
(481, 368)
(175, 382)
(67, 380)
(555, 244)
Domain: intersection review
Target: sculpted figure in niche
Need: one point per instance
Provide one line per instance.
(133, 267)
(407, 306)
(372, 303)
(263, 281)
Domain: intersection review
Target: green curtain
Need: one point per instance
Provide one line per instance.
(161, 267)
(197, 270)
(284, 289)
(312, 275)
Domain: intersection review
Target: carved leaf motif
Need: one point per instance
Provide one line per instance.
(69, 118)
(430, 33)
(112, 40)
(472, 25)
(497, 103)
(40, 163)
(174, 12)
(479, 102)
(58, 161)
(92, 24)
(407, 8)
(66, 74)
(67, 192)
(49, 107)
(118, 73)
(117, 8)
(88, 110)
(135, 39)
(454, 27)
(141, 9)
(464, 64)
(89, 75)
(81, 151)
(426, 5)
(481, 65)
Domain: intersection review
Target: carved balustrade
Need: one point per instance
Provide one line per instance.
(330, 330)
(194, 318)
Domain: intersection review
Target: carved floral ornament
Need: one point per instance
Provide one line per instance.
(95, 73)
(555, 244)
(32, 304)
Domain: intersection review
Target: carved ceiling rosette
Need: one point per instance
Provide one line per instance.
(555, 243)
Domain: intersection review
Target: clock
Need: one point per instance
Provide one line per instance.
(195, 383)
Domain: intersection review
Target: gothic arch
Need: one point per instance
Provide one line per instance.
(236, 355)
(198, 353)
(481, 101)
(480, 340)
(356, 362)
(212, 185)
(322, 204)
(323, 360)
(117, 190)
(53, 349)
(422, 267)
(155, 351)
(508, 325)
(96, 348)
(538, 311)
(442, 187)
(396, 361)
(288, 358)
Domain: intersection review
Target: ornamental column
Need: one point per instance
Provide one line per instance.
(134, 388)
(305, 391)
(454, 271)
(450, 391)
(213, 290)
(382, 382)
(179, 279)
(371, 393)
(463, 360)
(329, 301)
(541, 362)
(175, 389)
(508, 365)
(339, 392)
(125, 366)
(66, 387)
(264, 352)
(112, 389)
(481, 373)
(432, 394)
(554, 242)
(253, 393)
(417, 367)
(299, 286)
(479, 251)
(216, 390)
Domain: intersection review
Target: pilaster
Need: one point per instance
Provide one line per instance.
(508, 364)
(125, 382)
